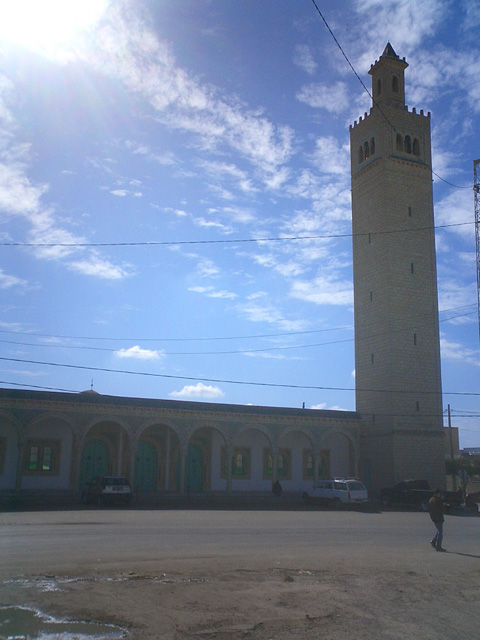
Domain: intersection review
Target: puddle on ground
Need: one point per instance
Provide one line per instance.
(52, 583)
(21, 623)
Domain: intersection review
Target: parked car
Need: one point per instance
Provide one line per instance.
(337, 492)
(416, 493)
(107, 490)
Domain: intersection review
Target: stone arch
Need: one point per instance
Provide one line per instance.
(408, 144)
(51, 417)
(6, 417)
(109, 440)
(49, 451)
(210, 445)
(155, 449)
(257, 441)
(298, 445)
(340, 453)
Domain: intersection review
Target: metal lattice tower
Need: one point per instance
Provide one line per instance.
(476, 190)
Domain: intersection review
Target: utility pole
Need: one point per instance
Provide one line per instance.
(452, 457)
(476, 192)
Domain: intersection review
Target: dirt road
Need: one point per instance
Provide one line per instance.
(241, 574)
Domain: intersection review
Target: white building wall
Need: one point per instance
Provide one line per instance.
(217, 483)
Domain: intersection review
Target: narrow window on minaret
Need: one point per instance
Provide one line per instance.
(416, 147)
(415, 339)
(399, 142)
(360, 154)
(408, 144)
(371, 296)
(369, 238)
(409, 212)
(373, 359)
(411, 267)
(395, 84)
(418, 406)
(366, 150)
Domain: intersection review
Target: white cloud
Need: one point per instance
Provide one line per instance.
(266, 355)
(181, 101)
(99, 267)
(413, 21)
(321, 290)
(212, 224)
(456, 209)
(137, 353)
(332, 157)
(17, 194)
(211, 292)
(455, 297)
(304, 59)
(456, 351)
(7, 281)
(199, 390)
(323, 405)
(270, 315)
(333, 98)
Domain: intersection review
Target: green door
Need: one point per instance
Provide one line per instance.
(193, 470)
(145, 476)
(95, 461)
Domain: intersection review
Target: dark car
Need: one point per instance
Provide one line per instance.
(416, 494)
(107, 490)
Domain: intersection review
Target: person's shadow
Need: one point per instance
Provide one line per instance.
(467, 555)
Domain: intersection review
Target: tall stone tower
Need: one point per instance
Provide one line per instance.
(397, 352)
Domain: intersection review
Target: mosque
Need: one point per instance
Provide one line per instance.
(55, 442)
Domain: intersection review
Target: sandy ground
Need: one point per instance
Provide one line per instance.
(355, 592)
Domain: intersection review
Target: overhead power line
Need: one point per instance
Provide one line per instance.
(414, 320)
(456, 186)
(155, 243)
(226, 381)
(455, 413)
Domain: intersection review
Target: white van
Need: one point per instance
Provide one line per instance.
(337, 491)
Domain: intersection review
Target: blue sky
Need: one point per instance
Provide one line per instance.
(166, 152)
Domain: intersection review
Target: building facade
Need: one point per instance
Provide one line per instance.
(56, 441)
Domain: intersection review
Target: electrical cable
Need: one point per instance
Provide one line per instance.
(225, 381)
(202, 353)
(155, 243)
(456, 186)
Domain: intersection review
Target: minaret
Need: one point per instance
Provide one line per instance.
(397, 347)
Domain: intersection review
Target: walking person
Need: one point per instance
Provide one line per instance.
(436, 508)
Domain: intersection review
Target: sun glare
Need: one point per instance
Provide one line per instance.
(47, 24)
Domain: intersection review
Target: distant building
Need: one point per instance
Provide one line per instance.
(56, 441)
(471, 452)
